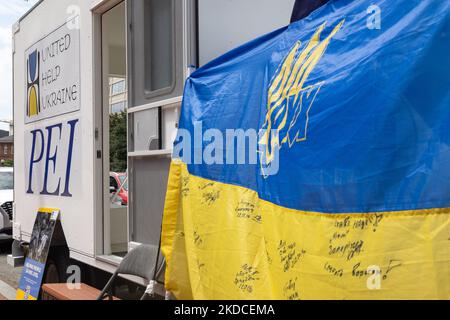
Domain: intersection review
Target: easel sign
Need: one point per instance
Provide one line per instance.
(34, 266)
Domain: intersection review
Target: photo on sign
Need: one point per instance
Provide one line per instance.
(41, 236)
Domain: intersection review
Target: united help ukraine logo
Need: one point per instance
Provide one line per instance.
(33, 99)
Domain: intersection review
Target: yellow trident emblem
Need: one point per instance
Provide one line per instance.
(289, 99)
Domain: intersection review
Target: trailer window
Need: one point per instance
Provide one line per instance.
(155, 50)
(159, 41)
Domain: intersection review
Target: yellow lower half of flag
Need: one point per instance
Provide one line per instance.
(223, 242)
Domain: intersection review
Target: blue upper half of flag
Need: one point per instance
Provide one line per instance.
(358, 98)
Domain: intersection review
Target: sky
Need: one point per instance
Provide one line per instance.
(10, 12)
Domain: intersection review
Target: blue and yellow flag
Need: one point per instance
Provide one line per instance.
(314, 162)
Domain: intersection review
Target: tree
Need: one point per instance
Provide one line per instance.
(8, 163)
(118, 141)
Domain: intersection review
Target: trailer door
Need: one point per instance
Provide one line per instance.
(113, 113)
(157, 62)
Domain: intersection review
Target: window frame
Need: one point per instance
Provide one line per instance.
(148, 94)
(138, 94)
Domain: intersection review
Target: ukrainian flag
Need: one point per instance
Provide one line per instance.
(348, 196)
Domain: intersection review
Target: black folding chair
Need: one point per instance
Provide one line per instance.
(145, 262)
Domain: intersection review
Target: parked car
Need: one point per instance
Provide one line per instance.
(118, 183)
(6, 203)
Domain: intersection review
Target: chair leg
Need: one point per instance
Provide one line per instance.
(107, 287)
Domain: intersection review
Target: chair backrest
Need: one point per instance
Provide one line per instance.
(141, 262)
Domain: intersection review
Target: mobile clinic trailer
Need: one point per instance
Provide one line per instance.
(78, 61)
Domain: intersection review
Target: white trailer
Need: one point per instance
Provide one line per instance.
(76, 62)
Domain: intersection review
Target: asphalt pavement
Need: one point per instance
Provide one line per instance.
(9, 276)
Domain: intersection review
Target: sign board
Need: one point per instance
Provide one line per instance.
(53, 74)
(33, 270)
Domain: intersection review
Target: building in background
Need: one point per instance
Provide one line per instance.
(7, 128)
(117, 95)
(6, 149)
